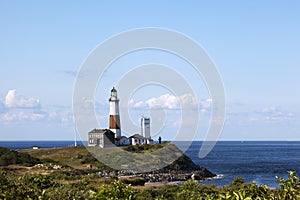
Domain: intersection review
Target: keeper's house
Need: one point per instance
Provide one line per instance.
(101, 138)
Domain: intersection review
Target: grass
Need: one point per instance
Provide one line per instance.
(140, 158)
(75, 157)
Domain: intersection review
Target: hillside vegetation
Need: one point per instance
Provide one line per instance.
(74, 157)
(11, 157)
(169, 157)
(65, 173)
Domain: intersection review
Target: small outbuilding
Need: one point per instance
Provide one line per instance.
(122, 141)
(138, 139)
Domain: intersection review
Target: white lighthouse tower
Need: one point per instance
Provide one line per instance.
(145, 126)
(114, 117)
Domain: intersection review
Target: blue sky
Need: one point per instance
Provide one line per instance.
(254, 44)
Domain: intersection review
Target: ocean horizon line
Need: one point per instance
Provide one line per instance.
(63, 140)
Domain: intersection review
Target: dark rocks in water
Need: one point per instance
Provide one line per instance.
(182, 169)
(202, 174)
(171, 176)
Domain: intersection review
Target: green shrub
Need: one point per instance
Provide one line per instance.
(289, 188)
(193, 190)
(89, 160)
(166, 192)
(116, 190)
(11, 157)
(133, 181)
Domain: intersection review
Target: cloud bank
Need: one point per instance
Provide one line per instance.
(172, 102)
(13, 100)
(16, 108)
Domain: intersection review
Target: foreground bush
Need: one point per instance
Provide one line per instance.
(35, 186)
(133, 181)
(116, 190)
(288, 188)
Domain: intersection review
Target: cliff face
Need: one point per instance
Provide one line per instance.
(185, 165)
(181, 169)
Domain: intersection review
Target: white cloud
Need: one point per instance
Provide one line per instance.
(168, 101)
(52, 115)
(22, 116)
(19, 115)
(139, 104)
(66, 117)
(164, 101)
(272, 114)
(206, 103)
(13, 100)
(15, 108)
(271, 109)
(276, 112)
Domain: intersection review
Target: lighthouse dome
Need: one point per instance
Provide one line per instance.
(113, 89)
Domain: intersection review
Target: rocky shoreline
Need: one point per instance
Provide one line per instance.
(176, 176)
(162, 176)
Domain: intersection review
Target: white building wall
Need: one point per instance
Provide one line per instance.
(145, 127)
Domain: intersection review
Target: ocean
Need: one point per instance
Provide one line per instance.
(258, 161)
(17, 145)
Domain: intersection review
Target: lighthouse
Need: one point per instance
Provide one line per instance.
(114, 117)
